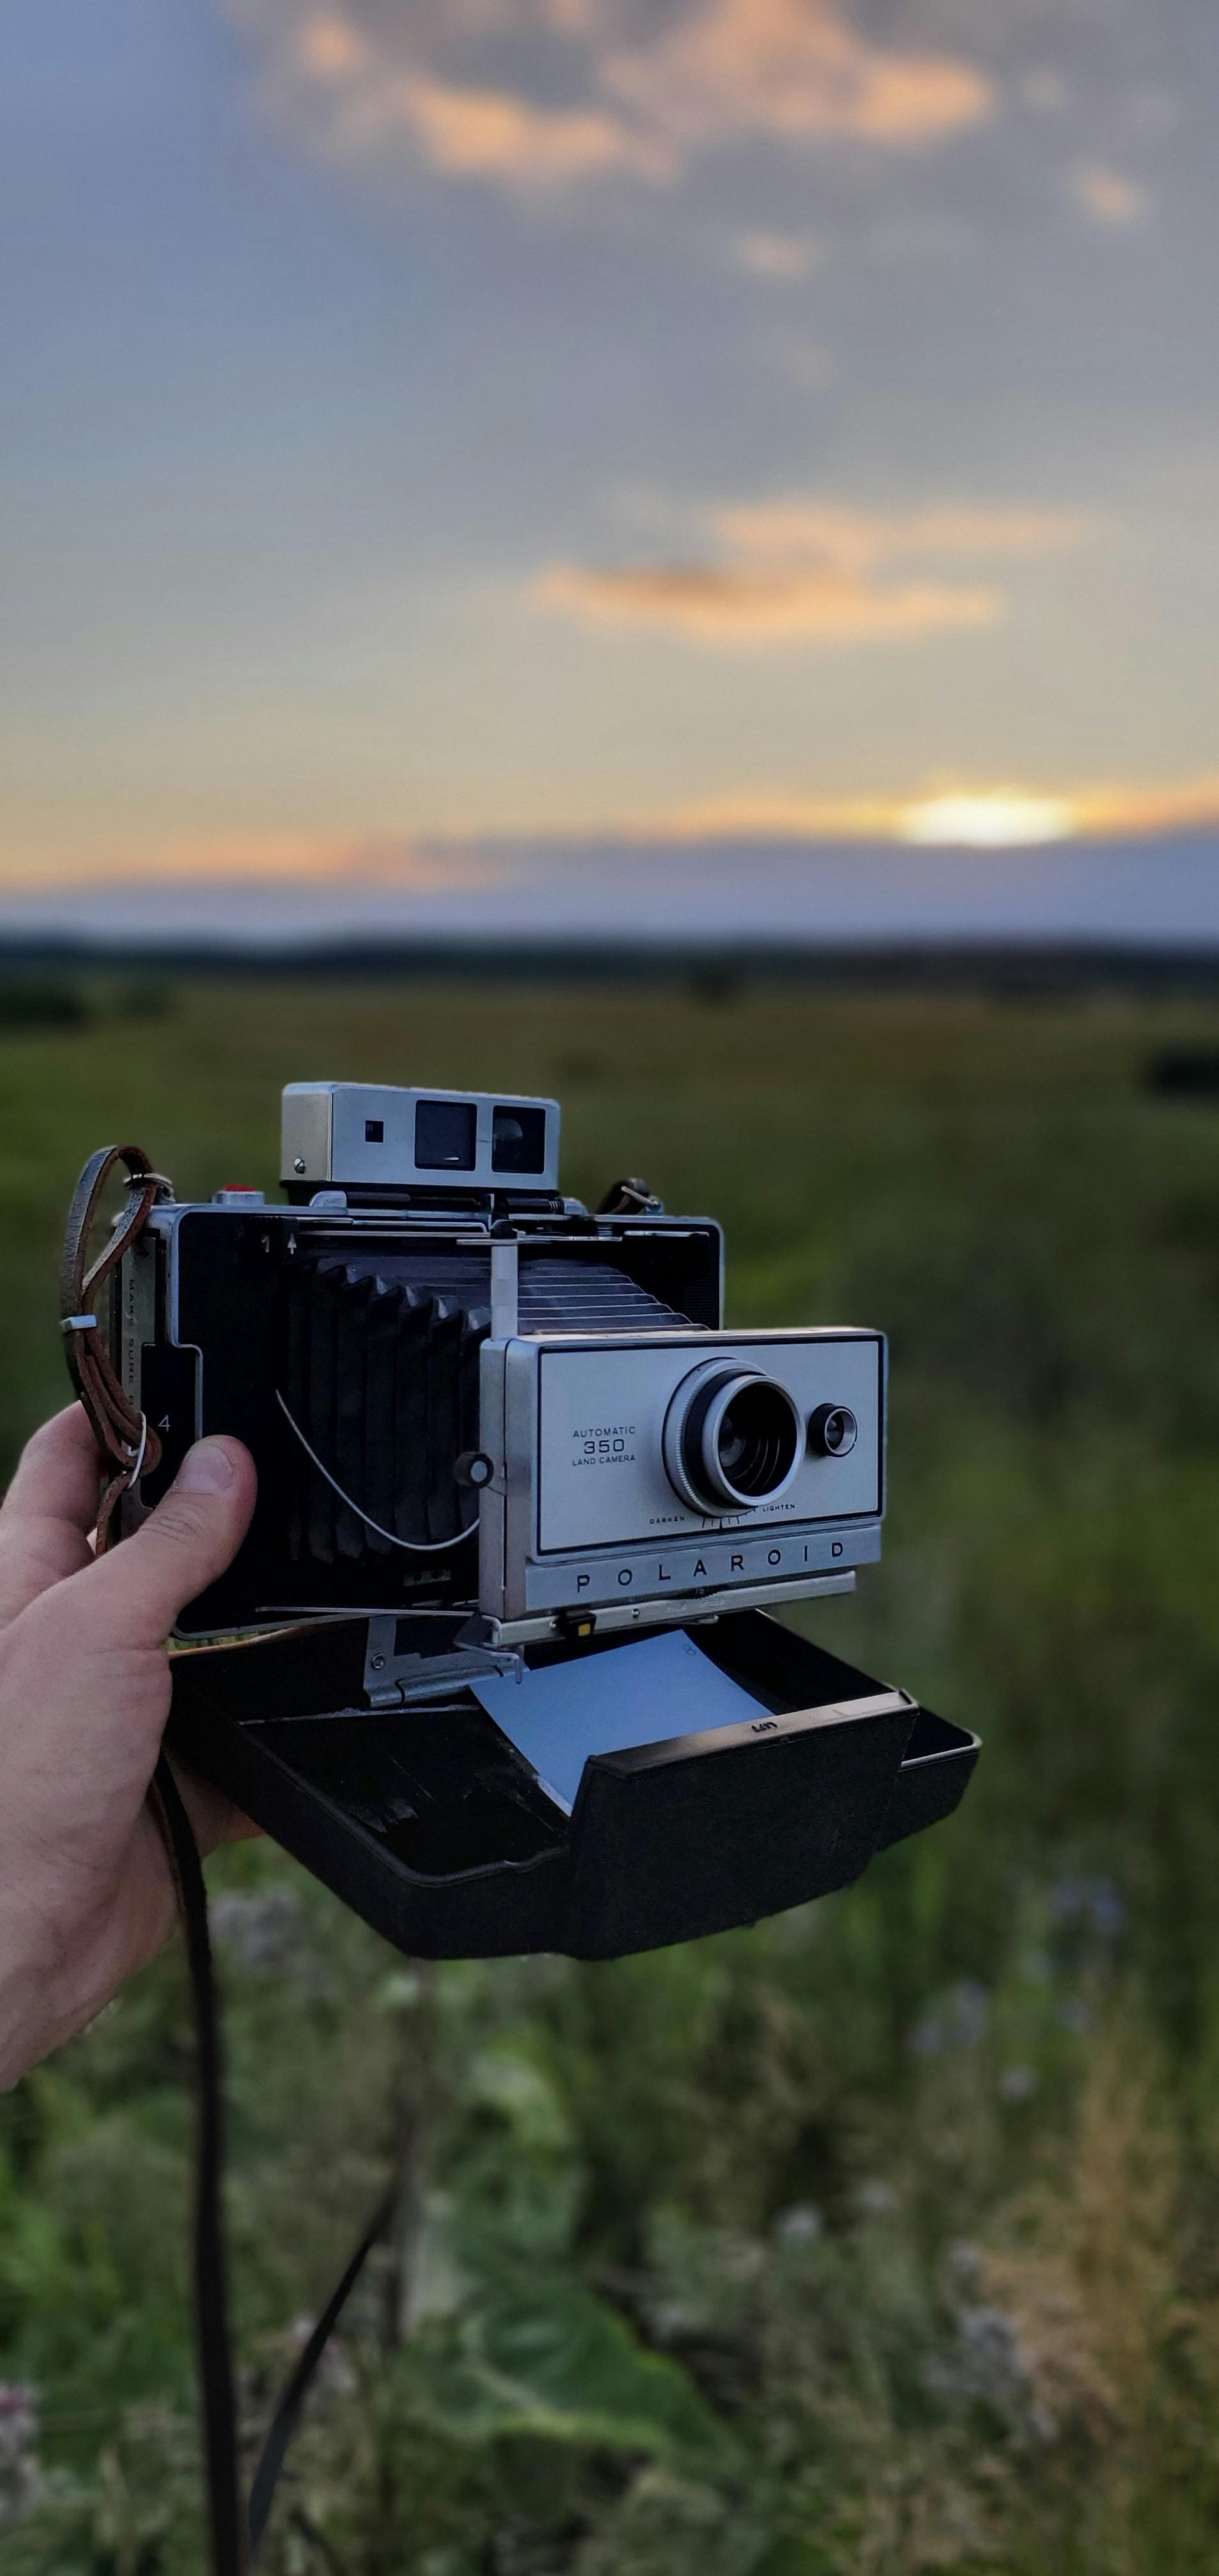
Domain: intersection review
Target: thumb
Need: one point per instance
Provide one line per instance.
(132, 1596)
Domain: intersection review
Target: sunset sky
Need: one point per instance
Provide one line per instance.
(427, 423)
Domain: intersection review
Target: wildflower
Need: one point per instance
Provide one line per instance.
(20, 2478)
(959, 2022)
(1094, 1904)
(260, 1927)
(801, 2225)
(874, 2198)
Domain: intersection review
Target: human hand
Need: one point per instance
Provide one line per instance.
(85, 1888)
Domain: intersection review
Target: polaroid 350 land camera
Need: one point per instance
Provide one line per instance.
(521, 1498)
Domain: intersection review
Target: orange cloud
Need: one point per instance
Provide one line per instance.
(452, 859)
(1171, 807)
(794, 68)
(329, 48)
(1110, 199)
(777, 816)
(254, 858)
(490, 134)
(797, 570)
(819, 531)
(779, 257)
(711, 605)
(370, 77)
(986, 815)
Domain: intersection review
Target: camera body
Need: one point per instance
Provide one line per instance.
(496, 1660)
(464, 1392)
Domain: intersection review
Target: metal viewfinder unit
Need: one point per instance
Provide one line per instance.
(367, 1138)
(495, 1431)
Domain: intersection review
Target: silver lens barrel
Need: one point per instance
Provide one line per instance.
(733, 1438)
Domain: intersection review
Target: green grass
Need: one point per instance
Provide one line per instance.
(885, 2237)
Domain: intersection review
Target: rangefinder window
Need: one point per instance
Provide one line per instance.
(518, 1140)
(446, 1136)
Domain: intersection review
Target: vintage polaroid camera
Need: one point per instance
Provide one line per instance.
(499, 1440)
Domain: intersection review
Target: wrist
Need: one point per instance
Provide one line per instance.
(30, 2003)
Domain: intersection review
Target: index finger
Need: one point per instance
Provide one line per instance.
(48, 1511)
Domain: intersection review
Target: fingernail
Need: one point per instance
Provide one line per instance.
(206, 1469)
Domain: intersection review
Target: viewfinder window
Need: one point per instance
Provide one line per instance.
(374, 1131)
(446, 1135)
(518, 1140)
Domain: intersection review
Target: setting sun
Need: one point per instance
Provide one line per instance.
(999, 819)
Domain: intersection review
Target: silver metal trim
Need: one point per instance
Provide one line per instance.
(392, 1680)
(685, 1612)
(674, 1435)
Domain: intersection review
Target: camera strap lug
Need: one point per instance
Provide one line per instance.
(393, 1680)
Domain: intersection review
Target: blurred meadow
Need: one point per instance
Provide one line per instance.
(883, 2237)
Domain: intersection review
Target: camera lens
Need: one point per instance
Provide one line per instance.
(754, 1444)
(732, 1439)
(833, 1431)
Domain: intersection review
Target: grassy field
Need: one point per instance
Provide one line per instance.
(885, 2237)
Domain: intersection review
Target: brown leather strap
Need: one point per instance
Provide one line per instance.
(128, 1446)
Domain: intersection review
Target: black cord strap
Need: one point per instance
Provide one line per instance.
(235, 2535)
(284, 2421)
(127, 1449)
(229, 2553)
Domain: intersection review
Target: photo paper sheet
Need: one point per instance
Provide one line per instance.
(643, 1692)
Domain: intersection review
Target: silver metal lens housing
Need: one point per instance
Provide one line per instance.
(733, 1438)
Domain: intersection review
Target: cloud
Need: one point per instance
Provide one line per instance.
(1109, 199)
(978, 818)
(490, 134)
(781, 258)
(799, 570)
(982, 815)
(1173, 805)
(793, 68)
(1044, 90)
(812, 530)
(806, 363)
(329, 49)
(401, 863)
(715, 605)
(444, 862)
(560, 93)
(776, 814)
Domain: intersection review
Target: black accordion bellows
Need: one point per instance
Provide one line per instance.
(382, 1379)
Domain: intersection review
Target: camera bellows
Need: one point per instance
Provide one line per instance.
(381, 1376)
(588, 1297)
